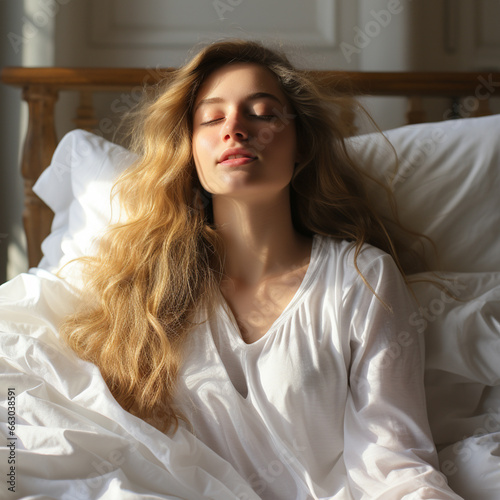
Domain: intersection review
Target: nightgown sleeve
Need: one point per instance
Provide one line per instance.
(389, 452)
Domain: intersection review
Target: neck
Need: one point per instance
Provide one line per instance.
(259, 238)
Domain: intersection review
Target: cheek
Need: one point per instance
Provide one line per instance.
(201, 147)
(285, 145)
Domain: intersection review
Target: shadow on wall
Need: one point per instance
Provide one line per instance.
(11, 235)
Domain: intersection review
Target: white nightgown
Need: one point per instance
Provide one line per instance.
(329, 403)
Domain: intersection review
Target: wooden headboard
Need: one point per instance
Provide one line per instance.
(41, 88)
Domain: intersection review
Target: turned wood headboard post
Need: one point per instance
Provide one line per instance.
(39, 146)
(415, 112)
(85, 114)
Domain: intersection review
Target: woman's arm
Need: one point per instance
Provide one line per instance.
(389, 452)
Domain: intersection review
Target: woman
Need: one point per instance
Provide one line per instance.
(253, 295)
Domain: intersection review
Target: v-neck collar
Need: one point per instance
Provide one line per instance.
(225, 313)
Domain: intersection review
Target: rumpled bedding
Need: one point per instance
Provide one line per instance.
(463, 379)
(70, 439)
(65, 437)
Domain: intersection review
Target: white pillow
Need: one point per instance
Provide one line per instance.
(447, 187)
(77, 187)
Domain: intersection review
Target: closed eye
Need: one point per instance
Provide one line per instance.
(264, 117)
(211, 122)
(259, 117)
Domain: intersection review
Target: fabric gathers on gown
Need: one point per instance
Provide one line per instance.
(330, 402)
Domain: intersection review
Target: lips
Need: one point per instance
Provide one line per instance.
(236, 157)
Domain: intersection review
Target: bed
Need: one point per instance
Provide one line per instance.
(64, 436)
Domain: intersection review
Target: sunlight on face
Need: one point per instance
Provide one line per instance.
(244, 140)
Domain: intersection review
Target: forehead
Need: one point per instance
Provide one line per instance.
(239, 80)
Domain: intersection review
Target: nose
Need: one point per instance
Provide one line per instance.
(235, 127)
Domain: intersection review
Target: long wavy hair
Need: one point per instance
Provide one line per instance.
(153, 271)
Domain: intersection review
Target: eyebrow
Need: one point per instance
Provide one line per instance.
(250, 97)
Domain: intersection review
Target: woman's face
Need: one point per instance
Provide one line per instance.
(244, 141)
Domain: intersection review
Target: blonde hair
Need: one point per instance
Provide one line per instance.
(156, 269)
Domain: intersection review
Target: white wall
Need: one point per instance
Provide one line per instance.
(162, 32)
(383, 37)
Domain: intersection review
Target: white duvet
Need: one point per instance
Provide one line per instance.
(68, 438)
(65, 437)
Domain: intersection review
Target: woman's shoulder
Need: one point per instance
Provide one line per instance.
(341, 251)
(340, 264)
